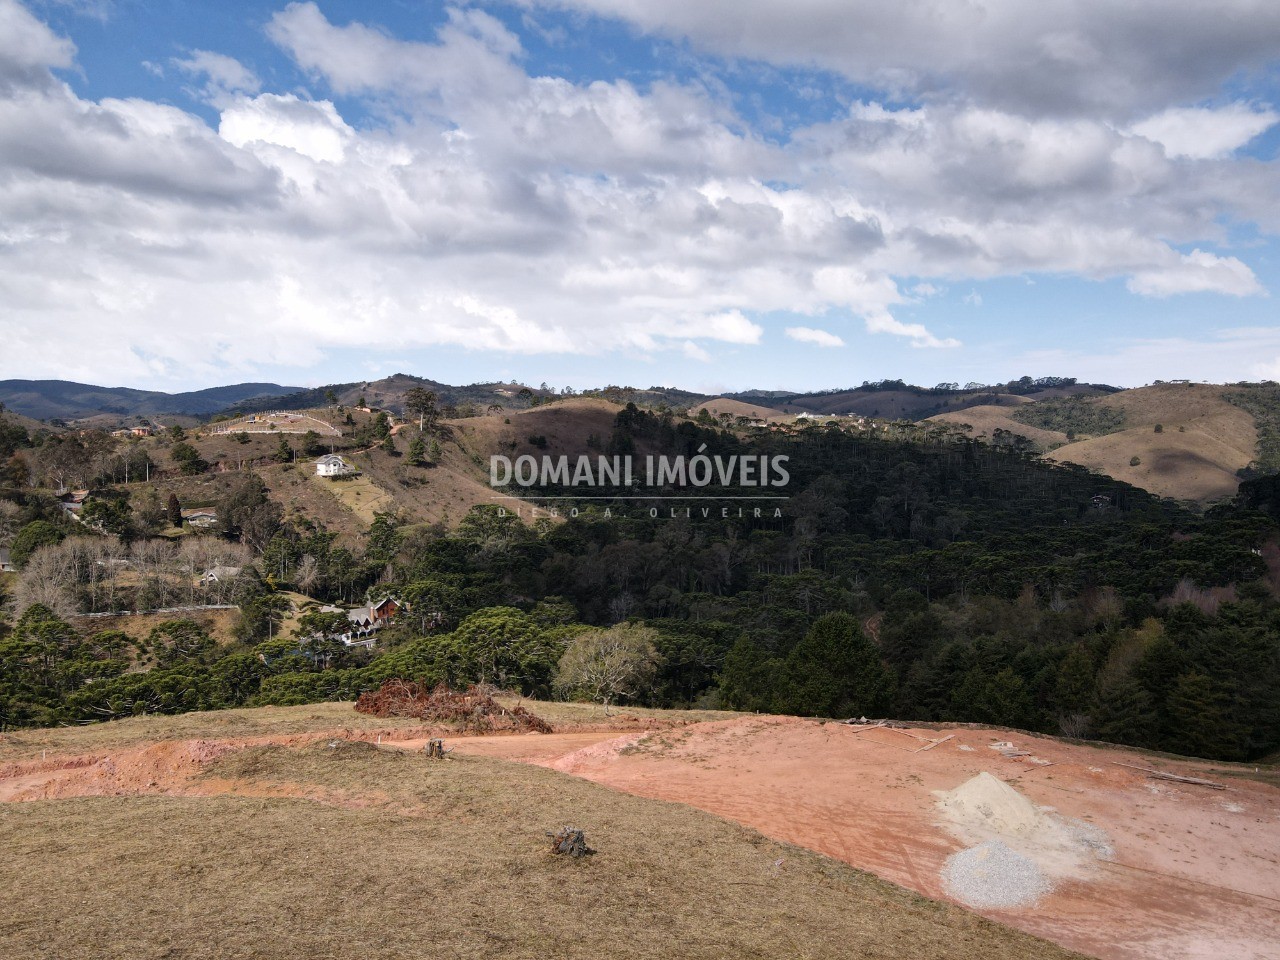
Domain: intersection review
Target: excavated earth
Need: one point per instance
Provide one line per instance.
(1113, 862)
(1173, 870)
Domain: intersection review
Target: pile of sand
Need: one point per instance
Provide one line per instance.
(988, 803)
(1016, 850)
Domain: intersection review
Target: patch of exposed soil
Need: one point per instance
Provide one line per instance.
(1134, 867)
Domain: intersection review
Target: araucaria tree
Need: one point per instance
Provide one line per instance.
(422, 402)
(607, 665)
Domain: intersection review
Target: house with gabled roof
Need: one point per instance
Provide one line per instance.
(332, 465)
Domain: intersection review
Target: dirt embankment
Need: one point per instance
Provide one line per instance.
(1060, 840)
(1131, 866)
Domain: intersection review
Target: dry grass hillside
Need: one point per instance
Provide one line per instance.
(736, 408)
(1203, 441)
(219, 624)
(986, 420)
(329, 847)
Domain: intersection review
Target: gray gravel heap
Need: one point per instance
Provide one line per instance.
(993, 876)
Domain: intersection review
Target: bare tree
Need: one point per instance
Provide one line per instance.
(609, 664)
(307, 573)
(49, 577)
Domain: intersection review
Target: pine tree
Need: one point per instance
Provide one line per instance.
(284, 452)
(173, 510)
(836, 671)
(417, 452)
(1201, 724)
(1126, 714)
(1074, 685)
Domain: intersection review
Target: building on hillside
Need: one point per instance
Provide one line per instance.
(367, 621)
(140, 431)
(332, 465)
(6, 561)
(200, 517)
(219, 574)
(72, 502)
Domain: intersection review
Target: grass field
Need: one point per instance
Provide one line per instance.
(1203, 440)
(345, 850)
(359, 494)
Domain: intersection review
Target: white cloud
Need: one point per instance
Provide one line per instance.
(810, 335)
(1081, 57)
(920, 337)
(223, 76)
(477, 205)
(1197, 272)
(695, 352)
(311, 128)
(1203, 132)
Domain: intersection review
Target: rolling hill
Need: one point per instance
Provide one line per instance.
(66, 400)
(1203, 440)
(1188, 440)
(735, 408)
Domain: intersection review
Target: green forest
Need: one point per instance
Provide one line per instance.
(932, 578)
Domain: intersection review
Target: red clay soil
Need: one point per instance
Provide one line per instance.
(1195, 872)
(172, 768)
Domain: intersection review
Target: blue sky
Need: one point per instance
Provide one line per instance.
(718, 196)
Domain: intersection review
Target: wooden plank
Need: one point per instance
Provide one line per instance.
(930, 746)
(1175, 777)
(907, 733)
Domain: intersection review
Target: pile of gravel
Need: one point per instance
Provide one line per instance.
(993, 876)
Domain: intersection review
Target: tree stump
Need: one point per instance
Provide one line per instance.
(569, 841)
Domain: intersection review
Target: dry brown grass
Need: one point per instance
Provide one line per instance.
(335, 717)
(219, 624)
(364, 498)
(737, 408)
(449, 859)
(1204, 441)
(985, 420)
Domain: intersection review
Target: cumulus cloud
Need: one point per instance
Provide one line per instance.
(1203, 132)
(223, 77)
(1061, 57)
(810, 335)
(1197, 272)
(311, 128)
(920, 337)
(476, 204)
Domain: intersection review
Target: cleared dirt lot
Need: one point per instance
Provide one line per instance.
(293, 838)
(1195, 872)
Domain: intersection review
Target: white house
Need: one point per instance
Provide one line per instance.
(6, 564)
(219, 574)
(332, 465)
(366, 621)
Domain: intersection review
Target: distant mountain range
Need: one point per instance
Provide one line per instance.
(1186, 441)
(65, 400)
(890, 399)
